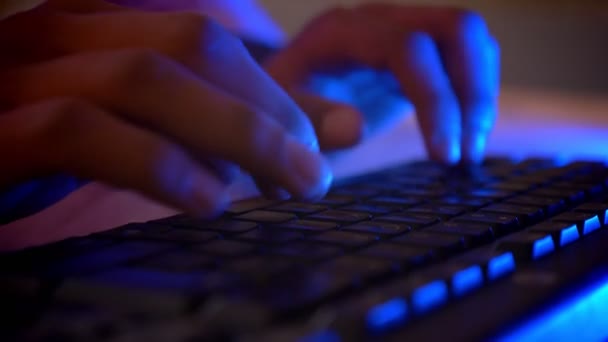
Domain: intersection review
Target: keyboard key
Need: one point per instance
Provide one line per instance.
(298, 208)
(524, 214)
(468, 201)
(500, 223)
(492, 194)
(188, 236)
(445, 211)
(463, 279)
(359, 268)
(179, 261)
(302, 289)
(601, 209)
(395, 201)
(335, 199)
(563, 233)
(308, 225)
(249, 205)
(259, 266)
(511, 186)
(340, 216)
(528, 245)
(474, 234)
(308, 250)
(225, 248)
(413, 220)
(495, 263)
(224, 226)
(114, 255)
(402, 254)
(552, 206)
(344, 238)
(270, 235)
(378, 228)
(425, 292)
(586, 222)
(443, 244)
(428, 295)
(374, 209)
(265, 216)
(388, 314)
(570, 196)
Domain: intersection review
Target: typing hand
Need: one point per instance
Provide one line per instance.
(444, 60)
(164, 103)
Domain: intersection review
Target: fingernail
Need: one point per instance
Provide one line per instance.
(312, 169)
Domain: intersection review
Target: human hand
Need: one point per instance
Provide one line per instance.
(445, 60)
(163, 103)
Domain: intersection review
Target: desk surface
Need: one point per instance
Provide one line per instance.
(531, 123)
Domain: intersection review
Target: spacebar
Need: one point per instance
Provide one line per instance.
(535, 284)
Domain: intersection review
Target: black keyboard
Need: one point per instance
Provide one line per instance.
(419, 251)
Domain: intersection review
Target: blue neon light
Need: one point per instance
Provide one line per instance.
(387, 314)
(568, 235)
(466, 280)
(501, 265)
(582, 317)
(542, 247)
(591, 225)
(429, 296)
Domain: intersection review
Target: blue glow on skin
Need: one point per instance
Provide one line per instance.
(387, 314)
(591, 225)
(568, 235)
(467, 280)
(581, 317)
(429, 296)
(501, 265)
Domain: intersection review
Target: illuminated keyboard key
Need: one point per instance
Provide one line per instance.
(386, 315)
(466, 280)
(528, 246)
(429, 296)
(563, 233)
(586, 222)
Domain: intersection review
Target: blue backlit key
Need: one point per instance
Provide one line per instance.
(429, 296)
(466, 279)
(586, 222)
(387, 314)
(563, 233)
(528, 245)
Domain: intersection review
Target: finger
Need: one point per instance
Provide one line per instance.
(343, 35)
(338, 125)
(74, 137)
(152, 91)
(471, 59)
(420, 71)
(190, 38)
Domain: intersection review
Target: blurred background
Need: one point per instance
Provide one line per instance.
(555, 44)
